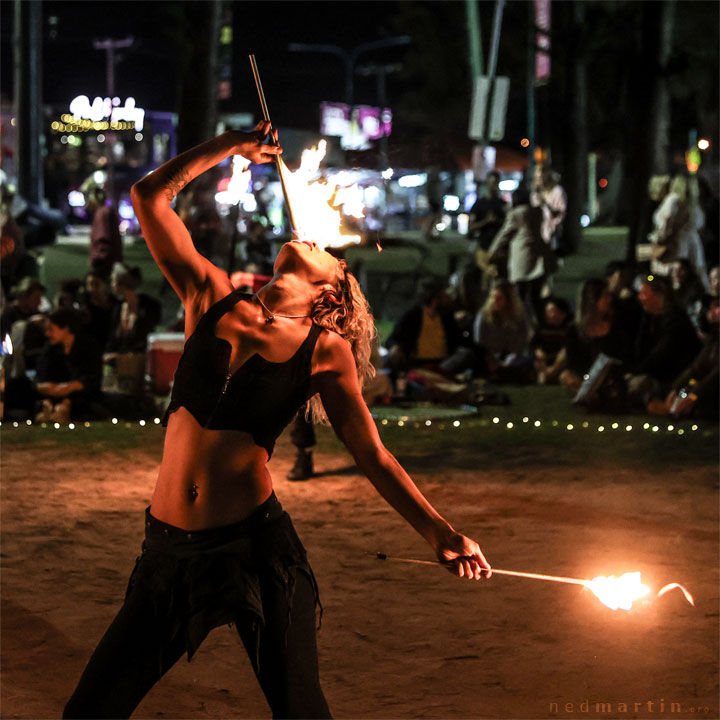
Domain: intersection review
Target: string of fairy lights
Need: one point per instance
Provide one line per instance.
(407, 422)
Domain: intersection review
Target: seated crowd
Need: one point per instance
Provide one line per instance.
(659, 341)
(81, 357)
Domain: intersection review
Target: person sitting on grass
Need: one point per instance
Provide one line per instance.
(502, 331)
(695, 391)
(427, 333)
(598, 329)
(550, 339)
(132, 320)
(69, 370)
(666, 343)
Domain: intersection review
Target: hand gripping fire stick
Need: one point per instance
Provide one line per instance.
(280, 164)
(614, 592)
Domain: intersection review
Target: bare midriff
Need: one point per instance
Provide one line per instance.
(208, 478)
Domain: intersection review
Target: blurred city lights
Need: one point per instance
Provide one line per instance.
(525, 142)
(703, 143)
(602, 182)
(138, 136)
(508, 185)
(411, 181)
(76, 199)
(388, 173)
(584, 220)
(451, 203)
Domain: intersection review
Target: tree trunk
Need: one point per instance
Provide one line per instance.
(197, 102)
(648, 116)
(577, 156)
(662, 149)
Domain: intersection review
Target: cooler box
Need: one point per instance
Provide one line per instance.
(163, 355)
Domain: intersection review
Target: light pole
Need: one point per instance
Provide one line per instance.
(27, 41)
(380, 71)
(110, 46)
(349, 57)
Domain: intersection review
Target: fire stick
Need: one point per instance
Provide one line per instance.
(515, 573)
(278, 160)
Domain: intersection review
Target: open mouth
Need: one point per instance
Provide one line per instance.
(307, 243)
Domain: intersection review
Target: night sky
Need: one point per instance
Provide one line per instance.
(295, 83)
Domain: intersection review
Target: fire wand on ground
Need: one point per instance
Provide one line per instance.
(278, 160)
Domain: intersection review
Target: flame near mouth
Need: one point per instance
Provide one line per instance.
(318, 204)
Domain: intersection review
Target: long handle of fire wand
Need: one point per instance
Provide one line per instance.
(279, 161)
(514, 573)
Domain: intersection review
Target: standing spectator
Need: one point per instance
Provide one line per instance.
(675, 234)
(488, 213)
(530, 260)
(549, 195)
(69, 370)
(502, 331)
(106, 247)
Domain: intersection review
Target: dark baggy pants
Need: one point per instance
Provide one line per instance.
(253, 573)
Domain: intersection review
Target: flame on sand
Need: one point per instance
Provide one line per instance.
(317, 202)
(618, 593)
(621, 592)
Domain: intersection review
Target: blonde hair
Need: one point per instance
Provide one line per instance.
(656, 186)
(513, 304)
(345, 310)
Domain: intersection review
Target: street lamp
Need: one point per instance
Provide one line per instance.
(349, 57)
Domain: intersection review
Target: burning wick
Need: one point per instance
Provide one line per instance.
(616, 593)
(379, 246)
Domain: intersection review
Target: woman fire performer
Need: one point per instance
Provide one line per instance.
(218, 546)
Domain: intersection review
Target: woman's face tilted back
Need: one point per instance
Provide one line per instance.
(305, 259)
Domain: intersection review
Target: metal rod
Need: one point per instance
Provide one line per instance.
(278, 160)
(514, 573)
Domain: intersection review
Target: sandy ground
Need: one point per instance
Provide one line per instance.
(398, 641)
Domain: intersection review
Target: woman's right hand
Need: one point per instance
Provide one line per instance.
(463, 557)
(251, 146)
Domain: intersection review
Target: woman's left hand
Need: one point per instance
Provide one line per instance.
(463, 557)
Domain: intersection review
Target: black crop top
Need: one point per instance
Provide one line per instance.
(261, 397)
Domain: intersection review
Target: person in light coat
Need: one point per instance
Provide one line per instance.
(519, 243)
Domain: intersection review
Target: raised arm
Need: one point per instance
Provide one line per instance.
(351, 420)
(165, 233)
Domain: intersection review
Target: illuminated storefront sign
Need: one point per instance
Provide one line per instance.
(102, 114)
(357, 126)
